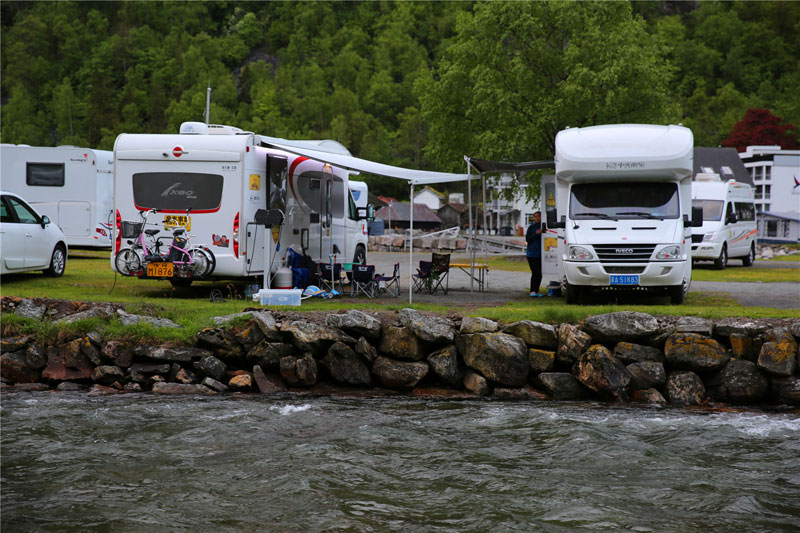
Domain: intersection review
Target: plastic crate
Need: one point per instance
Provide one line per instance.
(278, 296)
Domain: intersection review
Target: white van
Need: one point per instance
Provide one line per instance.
(227, 178)
(729, 227)
(623, 194)
(72, 186)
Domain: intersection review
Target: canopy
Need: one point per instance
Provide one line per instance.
(485, 166)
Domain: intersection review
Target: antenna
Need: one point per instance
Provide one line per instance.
(208, 105)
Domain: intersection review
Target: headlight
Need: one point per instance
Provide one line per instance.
(579, 253)
(670, 252)
(709, 236)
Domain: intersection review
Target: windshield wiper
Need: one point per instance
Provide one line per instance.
(644, 214)
(598, 215)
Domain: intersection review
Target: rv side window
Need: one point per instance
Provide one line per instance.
(337, 197)
(177, 191)
(45, 174)
(624, 200)
(712, 209)
(277, 168)
(745, 212)
(352, 210)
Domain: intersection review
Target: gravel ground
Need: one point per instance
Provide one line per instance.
(504, 286)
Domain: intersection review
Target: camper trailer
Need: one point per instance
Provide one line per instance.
(244, 203)
(619, 208)
(72, 186)
(729, 221)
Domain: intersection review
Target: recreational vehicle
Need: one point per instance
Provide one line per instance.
(729, 221)
(359, 190)
(72, 186)
(619, 208)
(225, 188)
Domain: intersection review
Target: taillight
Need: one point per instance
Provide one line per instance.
(119, 232)
(236, 236)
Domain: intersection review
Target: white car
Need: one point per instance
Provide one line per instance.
(29, 241)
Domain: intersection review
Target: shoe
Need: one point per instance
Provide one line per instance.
(534, 295)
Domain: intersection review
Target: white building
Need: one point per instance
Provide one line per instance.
(430, 197)
(504, 213)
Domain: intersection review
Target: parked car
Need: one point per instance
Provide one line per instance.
(29, 241)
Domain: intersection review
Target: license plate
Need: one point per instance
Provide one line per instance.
(160, 270)
(624, 279)
(177, 221)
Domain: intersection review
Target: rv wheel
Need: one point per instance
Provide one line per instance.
(573, 294)
(676, 295)
(750, 258)
(360, 256)
(722, 261)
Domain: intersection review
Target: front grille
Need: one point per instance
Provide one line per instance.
(697, 238)
(624, 270)
(624, 253)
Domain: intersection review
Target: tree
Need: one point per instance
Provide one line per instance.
(760, 126)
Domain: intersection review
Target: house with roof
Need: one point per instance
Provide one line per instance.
(454, 214)
(430, 197)
(724, 162)
(397, 215)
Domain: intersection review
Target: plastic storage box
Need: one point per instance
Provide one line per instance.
(278, 296)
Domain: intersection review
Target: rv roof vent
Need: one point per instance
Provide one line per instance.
(193, 128)
(706, 177)
(220, 129)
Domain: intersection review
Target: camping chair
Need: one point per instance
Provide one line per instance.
(390, 284)
(422, 277)
(329, 277)
(363, 281)
(440, 272)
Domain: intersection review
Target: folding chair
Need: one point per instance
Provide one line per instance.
(388, 284)
(329, 277)
(422, 278)
(363, 280)
(440, 272)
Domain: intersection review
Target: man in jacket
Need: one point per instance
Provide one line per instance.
(534, 252)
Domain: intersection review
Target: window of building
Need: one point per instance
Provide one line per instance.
(772, 228)
(786, 225)
(767, 192)
(759, 192)
(767, 173)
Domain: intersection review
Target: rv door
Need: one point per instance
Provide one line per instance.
(552, 239)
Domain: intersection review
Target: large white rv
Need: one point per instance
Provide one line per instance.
(226, 177)
(72, 186)
(620, 206)
(729, 221)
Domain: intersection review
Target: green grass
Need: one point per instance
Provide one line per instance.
(747, 274)
(788, 258)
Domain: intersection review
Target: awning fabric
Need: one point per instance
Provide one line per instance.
(483, 165)
(414, 177)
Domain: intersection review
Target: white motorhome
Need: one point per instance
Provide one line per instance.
(359, 190)
(729, 227)
(230, 182)
(72, 186)
(619, 206)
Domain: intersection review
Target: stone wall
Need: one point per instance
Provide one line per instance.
(619, 357)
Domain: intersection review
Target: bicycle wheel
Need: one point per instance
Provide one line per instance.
(127, 261)
(202, 262)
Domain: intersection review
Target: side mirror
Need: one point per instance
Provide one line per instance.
(366, 213)
(551, 219)
(45, 221)
(732, 218)
(697, 217)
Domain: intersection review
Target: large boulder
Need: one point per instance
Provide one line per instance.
(499, 357)
(299, 370)
(744, 326)
(402, 344)
(697, 353)
(630, 326)
(130, 320)
(533, 333)
(475, 383)
(471, 324)
(219, 342)
(778, 354)
(785, 390)
(267, 383)
(399, 374)
(745, 347)
(541, 360)
(36, 356)
(739, 382)
(268, 326)
(356, 323)
(14, 367)
(108, 375)
(628, 352)
(600, 371)
(447, 366)
(181, 388)
(432, 329)
(694, 324)
(65, 362)
(29, 309)
(649, 396)
(119, 353)
(647, 375)
(269, 354)
(346, 366)
(685, 388)
(90, 350)
(314, 338)
(366, 350)
(179, 354)
(572, 342)
(211, 366)
(562, 386)
(249, 337)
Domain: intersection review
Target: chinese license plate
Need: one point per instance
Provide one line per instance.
(160, 270)
(623, 279)
(177, 221)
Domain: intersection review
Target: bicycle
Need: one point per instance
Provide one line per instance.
(129, 261)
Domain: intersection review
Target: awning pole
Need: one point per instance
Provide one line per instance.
(485, 235)
(471, 230)
(411, 245)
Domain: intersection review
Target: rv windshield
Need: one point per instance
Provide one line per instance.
(712, 209)
(177, 191)
(617, 200)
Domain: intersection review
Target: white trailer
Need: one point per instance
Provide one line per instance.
(72, 186)
(729, 227)
(620, 206)
(226, 177)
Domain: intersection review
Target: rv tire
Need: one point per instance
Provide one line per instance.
(676, 294)
(573, 294)
(750, 258)
(360, 256)
(722, 261)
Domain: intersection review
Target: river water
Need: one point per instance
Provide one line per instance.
(143, 462)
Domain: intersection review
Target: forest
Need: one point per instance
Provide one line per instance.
(417, 84)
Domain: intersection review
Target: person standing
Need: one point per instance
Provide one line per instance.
(534, 252)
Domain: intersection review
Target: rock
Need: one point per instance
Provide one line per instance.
(603, 373)
(242, 382)
(220, 320)
(647, 375)
(29, 309)
(572, 342)
(269, 354)
(118, 353)
(68, 386)
(179, 374)
(433, 329)
(471, 324)
(180, 388)
(727, 326)
(66, 363)
(447, 366)
(91, 352)
(562, 386)
(356, 323)
(180, 354)
(266, 323)
(628, 352)
(739, 382)
(249, 337)
(133, 387)
(346, 366)
(267, 384)
(141, 373)
(398, 374)
(14, 344)
(300, 371)
(36, 356)
(630, 326)
(650, 396)
(213, 384)
(475, 383)
(794, 329)
(541, 360)
(102, 390)
(402, 344)
(314, 338)
(366, 350)
(778, 355)
(211, 366)
(107, 374)
(217, 340)
(524, 393)
(690, 351)
(14, 367)
(499, 357)
(693, 324)
(745, 347)
(685, 388)
(96, 338)
(785, 390)
(533, 333)
(129, 320)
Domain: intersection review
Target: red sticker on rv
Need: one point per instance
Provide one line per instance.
(177, 151)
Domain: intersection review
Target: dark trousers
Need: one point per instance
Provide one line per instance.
(536, 272)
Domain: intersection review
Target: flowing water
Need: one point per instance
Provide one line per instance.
(142, 462)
